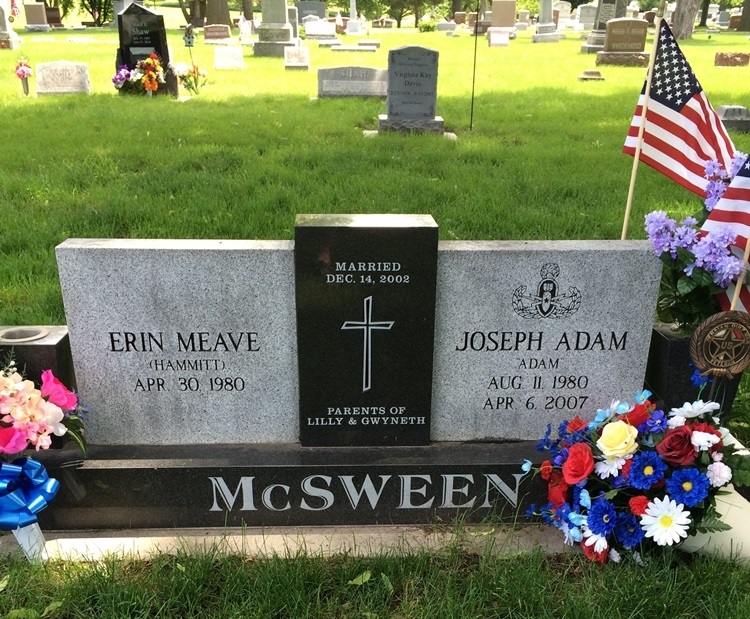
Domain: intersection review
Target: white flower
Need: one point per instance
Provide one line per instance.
(609, 467)
(719, 474)
(703, 441)
(717, 456)
(614, 556)
(676, 422)
(665, 521)
(599, 542)
(695, 409)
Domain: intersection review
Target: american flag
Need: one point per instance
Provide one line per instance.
(733, 210)
(682, 131)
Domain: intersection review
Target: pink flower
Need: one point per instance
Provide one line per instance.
(57, 393)
(11, 441)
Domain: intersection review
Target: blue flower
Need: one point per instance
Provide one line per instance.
(642, 396)
(657, 422)
(647, 469)
(627, 530)
(526, 466)
(602, 517)
(688, 486)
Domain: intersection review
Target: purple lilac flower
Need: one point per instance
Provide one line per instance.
(714, 168)
(726, 270)
(737, 161)
(660, 230)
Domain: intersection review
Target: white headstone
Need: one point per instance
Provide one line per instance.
(228, 58)
(62, 77)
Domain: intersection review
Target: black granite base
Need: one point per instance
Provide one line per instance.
(286, 484)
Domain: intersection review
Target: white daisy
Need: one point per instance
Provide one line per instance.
(599, 542)
(703, 441)
(719, 474)
(695, 409)
(665, 521)
(609, 467)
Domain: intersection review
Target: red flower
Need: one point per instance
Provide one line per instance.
(592, 555)
(638, 505)
(576, 425)
(545, 470)
(640, 414)
(676, 448)
(579, 464)
(625, 470)
(557, 493)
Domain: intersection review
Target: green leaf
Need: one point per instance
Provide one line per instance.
(22, 613)
(711, 522)
(685, 285)
(4, 583)
(51, 609)
(611, 494)
(180, 567)
(386, 582)
(361, 579)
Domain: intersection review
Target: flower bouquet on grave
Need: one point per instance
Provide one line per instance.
(698, 264)
(635, 479)
(143, 79)
(23, 72)
(29, 418)
(193, 78)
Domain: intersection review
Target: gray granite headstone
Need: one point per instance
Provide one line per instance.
(606, 10)
(183, 341)
(352, 82)
(531, 333)
(62, 77)
(546, 30)
(412, 91)
(275, 31)
(308, 7)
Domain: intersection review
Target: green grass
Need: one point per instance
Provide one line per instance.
(542, 160)
(449, 584)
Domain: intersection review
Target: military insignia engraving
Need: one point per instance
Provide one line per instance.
(721, 345)
(549, 301)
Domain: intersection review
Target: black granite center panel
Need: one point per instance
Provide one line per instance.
(365, 293)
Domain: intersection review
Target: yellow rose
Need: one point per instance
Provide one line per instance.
(617, 440)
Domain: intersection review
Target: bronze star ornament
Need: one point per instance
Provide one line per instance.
(720, 346)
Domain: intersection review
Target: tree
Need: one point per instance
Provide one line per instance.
(683, 18)
(217, 12)
(101, 11)
(745, 21)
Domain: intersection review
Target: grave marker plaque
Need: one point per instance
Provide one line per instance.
(141, 33)
(365, 288)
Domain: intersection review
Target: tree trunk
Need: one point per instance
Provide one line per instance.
(217, 12)
(185, 11)
(683, 19)
(457, 6)
(247, 9)
(745, 21)
(704, 14)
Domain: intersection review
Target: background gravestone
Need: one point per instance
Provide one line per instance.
(62, 77)
(307, 7)
(142, 33)
(606, 10)
(275, 31)
(365, 328)
(412, 91)
(546, 30)
(625, 43)
(352, 82)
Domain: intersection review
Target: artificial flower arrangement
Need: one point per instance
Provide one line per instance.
(29, 417)
(697, 266)
(23, 68)
(144, 78)
(636, 478)
(193, 78)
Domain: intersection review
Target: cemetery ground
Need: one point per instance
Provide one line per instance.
(542, 161)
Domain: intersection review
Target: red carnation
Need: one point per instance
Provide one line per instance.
(579, 464)
(576, 425)
(592, 555)
(638, 505)
(676, 448)
(545, 470)
(625, 470)
(557, 493)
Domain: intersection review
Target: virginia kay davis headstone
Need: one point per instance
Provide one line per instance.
(365, 328)
(412, 91)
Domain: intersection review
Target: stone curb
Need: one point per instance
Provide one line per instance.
(290, 542)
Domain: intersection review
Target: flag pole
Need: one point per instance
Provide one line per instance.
(741, 276)
(642, 126)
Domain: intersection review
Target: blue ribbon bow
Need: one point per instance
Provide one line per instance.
(25, 490)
